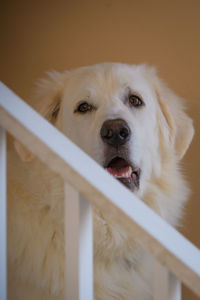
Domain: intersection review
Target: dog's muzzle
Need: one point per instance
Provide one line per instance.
(115, 134)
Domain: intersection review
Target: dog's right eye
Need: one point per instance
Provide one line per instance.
(84, 107)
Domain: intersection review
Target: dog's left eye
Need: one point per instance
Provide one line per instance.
(84, 107)
(135, 101)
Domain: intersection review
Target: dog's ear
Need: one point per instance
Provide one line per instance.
(179, 124)
(46, 101)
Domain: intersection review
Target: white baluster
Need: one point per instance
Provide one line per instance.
(166, 285)
(78, 246)
(3, 256)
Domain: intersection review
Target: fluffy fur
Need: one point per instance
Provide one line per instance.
(161, 134)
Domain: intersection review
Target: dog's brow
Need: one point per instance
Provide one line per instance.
(126, 92)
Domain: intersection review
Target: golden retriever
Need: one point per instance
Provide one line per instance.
(135, 127)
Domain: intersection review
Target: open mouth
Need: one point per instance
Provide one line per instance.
(125, 172)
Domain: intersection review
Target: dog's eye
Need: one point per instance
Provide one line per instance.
(135, 101)
(84, 107)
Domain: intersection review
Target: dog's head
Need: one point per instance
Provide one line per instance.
(123, 116)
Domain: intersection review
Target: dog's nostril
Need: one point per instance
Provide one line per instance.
(106, 133)
(124, 132)
(109, 133)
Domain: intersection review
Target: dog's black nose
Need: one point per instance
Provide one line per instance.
(115, 132)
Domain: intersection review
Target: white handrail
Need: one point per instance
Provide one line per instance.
(179, 255)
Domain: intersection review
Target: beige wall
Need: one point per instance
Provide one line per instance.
(43, 35)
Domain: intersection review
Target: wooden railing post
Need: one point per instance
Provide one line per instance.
(3, 239)
(166, 286)
(78, 246)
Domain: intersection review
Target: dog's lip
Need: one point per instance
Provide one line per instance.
(124, 170)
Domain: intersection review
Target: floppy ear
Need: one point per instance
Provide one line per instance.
(47, 101)
(180, 125)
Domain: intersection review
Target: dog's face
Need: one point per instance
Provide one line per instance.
(110, 112)
(113, 112)
(123, 116)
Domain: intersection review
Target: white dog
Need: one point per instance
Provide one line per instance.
(135, 127)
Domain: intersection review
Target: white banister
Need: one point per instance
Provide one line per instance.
(175, 292)
(78, 246)
(116, 203)
(3, 240)
(165, 285)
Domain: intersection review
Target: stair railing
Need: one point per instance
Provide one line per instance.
(87, 184)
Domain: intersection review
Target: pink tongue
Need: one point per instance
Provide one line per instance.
(118, 172)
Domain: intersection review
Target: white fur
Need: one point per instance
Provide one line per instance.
(161, 133)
